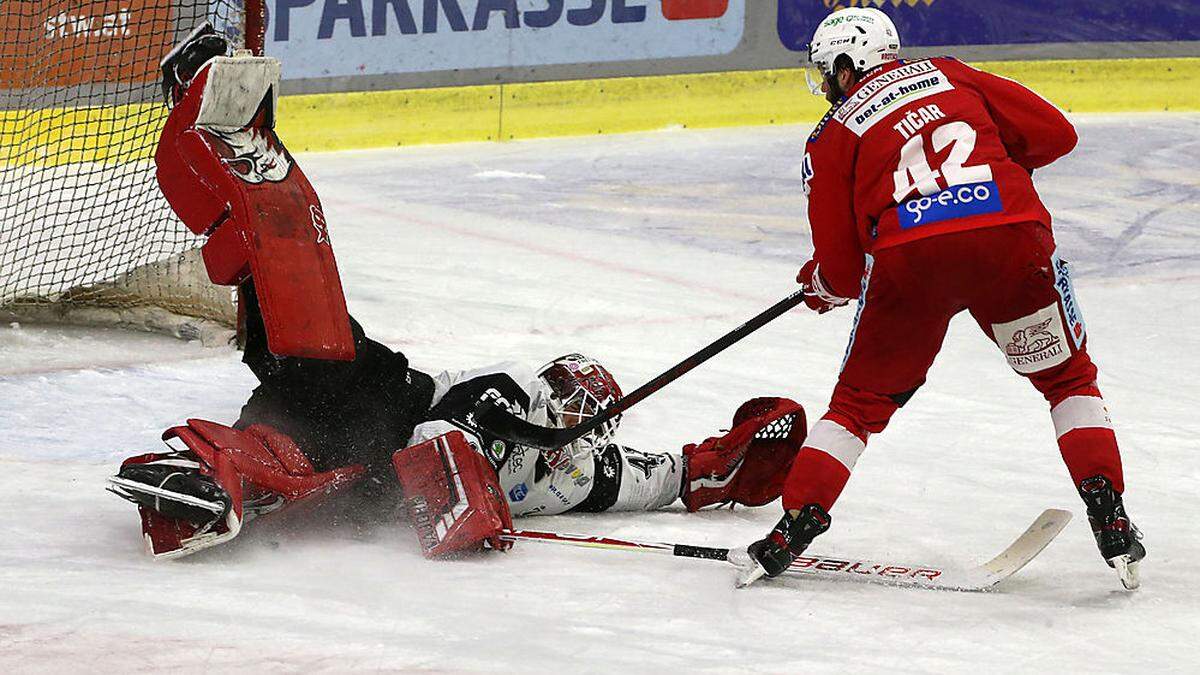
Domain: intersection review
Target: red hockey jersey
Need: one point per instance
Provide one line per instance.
(921, 148)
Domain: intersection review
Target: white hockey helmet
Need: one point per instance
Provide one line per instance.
(864, 34)
(579, 388)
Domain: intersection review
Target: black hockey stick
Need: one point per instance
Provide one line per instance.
(504, 424)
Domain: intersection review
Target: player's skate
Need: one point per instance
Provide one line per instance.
(774, 554)
(1118, 539)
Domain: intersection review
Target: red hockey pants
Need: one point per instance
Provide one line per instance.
(1010, 280)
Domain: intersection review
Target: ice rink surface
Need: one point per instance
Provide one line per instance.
(637, 250)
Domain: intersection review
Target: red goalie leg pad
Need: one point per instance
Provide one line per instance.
(453, 497)
(227, 176)
(170, 537)
(748, 465)
(261, 456)
(216, 479)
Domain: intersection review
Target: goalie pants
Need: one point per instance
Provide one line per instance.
(339, 412)
(1019, 293)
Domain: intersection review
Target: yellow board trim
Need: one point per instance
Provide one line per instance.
(55, 136)
(569, 108)
(388, 118)
(617, 105)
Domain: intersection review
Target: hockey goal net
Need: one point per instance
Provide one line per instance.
(85, 235)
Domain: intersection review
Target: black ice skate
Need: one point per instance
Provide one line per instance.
(772, 555)
(1118, 540)
(174, 487)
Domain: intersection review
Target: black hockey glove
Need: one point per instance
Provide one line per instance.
(182, 63)
(792, 534)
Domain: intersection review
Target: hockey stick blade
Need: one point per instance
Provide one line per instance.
(490, 416)
(932, 577)
(502, 423)
(935, 577)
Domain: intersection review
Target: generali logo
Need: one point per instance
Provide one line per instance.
(1033, 344)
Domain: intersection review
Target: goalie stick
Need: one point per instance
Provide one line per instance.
(497, 420)
(934, 577)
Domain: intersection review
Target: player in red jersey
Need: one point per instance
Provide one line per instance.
(922, 205)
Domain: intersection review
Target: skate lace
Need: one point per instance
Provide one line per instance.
(182, 459)
(263, 504)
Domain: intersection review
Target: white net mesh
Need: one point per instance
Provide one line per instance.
(85, 234)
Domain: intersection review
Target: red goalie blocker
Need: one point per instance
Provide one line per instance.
(228, 177)
(453, 498)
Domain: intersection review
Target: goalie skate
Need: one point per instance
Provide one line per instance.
(173, 487)
(214, 480)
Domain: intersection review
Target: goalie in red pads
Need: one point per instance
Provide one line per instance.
(460, 485)
(335, 408)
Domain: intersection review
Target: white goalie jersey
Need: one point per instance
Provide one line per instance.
(579, 477)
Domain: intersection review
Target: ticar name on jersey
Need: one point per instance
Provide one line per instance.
(914, 120)
(886, 93)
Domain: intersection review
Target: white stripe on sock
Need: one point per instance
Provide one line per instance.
(1080, 412)
(834, 440)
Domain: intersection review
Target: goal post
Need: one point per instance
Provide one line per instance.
(85, 235)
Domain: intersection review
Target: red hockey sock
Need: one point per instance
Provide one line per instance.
(815, 478)
(823, 466)
(1088, 452)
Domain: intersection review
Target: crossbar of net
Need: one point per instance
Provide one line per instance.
(84, 230)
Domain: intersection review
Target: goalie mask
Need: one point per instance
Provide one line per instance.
(579, 388)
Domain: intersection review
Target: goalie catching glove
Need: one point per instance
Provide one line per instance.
(748, 464)
(215, 479)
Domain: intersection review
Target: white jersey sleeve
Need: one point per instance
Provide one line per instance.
(553, 481)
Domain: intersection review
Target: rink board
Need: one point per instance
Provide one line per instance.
(745, 98)
(323, 122)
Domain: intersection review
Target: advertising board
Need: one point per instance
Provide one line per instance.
(935, 23)
(338, 38)
(97, 41)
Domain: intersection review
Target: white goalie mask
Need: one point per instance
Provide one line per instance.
(579, 388)
(864, 34)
